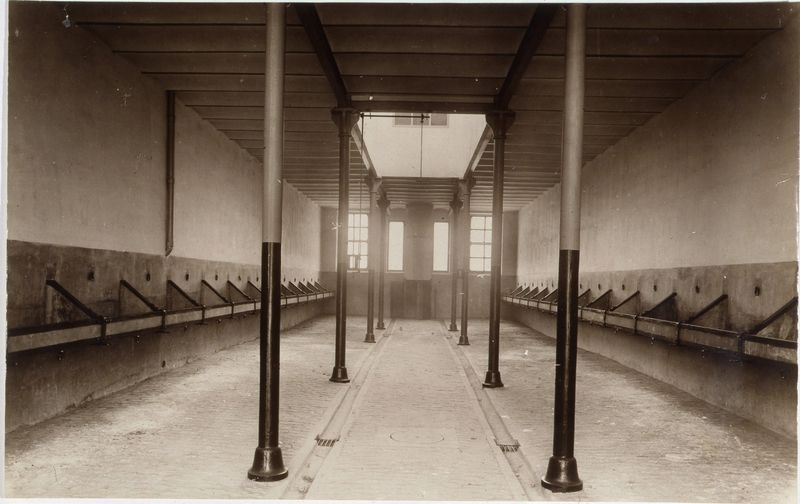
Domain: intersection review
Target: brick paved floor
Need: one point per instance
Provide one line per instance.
(636, 438)
(416, 432)
(187, 433)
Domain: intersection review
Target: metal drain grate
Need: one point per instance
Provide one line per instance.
(325, 442)
(508, 447)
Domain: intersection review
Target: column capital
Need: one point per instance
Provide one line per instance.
(344, 118)
(465, 185)
(374, 183)
(500, 121)
(455, 203)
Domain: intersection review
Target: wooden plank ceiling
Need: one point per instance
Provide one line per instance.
(431, 57)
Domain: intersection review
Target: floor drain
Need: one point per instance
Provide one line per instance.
(417, 436)
(508, 447)
(325, 442)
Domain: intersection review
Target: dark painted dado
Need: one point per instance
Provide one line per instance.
(417, 298)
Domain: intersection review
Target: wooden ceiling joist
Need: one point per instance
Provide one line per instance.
(454, 58)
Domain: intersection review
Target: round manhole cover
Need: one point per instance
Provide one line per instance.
(417, 436)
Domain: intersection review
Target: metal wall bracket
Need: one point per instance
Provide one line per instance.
(710, 306)
(91, 314)
(783, 310)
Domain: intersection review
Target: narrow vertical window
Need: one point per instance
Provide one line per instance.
(480, 243)
(441, 246)
(357, 239)
(395, 259)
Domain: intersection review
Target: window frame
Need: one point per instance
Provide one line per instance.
(363, 224)
(487, 242)
(413, 122)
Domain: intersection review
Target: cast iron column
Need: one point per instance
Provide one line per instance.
(383, 203)
(455, 205)
(372, 255)
(499, 121)
(562, 470)
(345, 119)
(466, 190)
(268, 461)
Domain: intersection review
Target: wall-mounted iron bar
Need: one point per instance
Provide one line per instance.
(153, 307)
(183, 294)
(21, 339)
(710, 306)
(792, 303)
(684, 333)
(73, 300)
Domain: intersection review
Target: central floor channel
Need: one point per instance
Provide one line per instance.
(416, 430)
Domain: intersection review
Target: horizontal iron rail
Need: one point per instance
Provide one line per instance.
(131, 324)
(739, 337)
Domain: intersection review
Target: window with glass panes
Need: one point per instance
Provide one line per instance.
(357, 237)
(480, 243)
(432, 119)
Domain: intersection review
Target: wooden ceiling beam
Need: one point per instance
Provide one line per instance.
(533, 37)
(309, 17)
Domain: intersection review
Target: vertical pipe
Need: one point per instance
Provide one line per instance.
(384, 204)
(466, 189)
(372, 256)
(345, 119)
(170, 172)
(499, 122)
(268, 461)
(455, 205)
(562, 469)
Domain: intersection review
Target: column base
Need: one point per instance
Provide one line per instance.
(339, 375)
(562, 475)
(268, 465)
(463, 340)
(453, 327)
(369, 338)
(492, 380)
(380, 326)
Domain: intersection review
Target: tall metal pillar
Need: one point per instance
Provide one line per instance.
(466, 190)
(499, 121)
(372, 255)
(455, 205)
(345, 119)
(562, 469)
(383, 203)
(268, 461)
